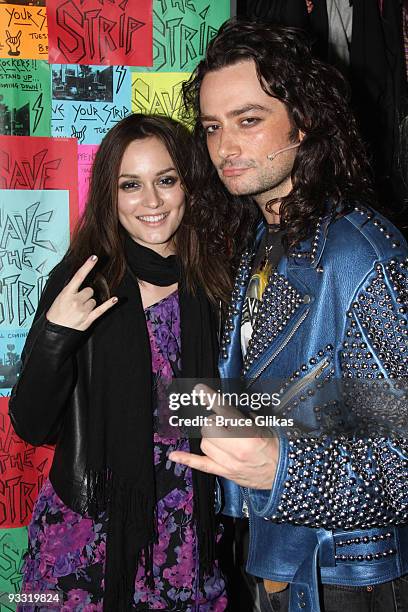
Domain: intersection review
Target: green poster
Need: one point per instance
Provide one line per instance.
(182, 30)
(25, 97)
(13, 545)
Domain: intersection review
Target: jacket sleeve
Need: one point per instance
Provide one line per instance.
(47, 375)
(348, 482)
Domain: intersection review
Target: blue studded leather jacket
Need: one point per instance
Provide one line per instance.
(338, 508)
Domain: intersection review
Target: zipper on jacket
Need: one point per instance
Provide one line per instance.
(279, 349)
(294, 390)
(220, 322)
(245, 506)
(303, 382)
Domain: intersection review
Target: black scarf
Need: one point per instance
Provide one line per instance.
(120, 465)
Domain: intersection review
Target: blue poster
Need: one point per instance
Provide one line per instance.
(34, 235)
(88, 100)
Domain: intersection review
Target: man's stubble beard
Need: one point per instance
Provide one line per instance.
(261, 184)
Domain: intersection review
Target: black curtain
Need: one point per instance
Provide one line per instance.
(377, 75)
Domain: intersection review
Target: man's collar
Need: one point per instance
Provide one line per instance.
(309, 251)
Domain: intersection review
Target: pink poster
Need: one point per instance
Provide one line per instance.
(86, 156)
(112, 32)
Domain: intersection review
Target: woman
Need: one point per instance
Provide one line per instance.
(117, 522)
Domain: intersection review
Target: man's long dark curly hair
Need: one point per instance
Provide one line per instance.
(331, 163)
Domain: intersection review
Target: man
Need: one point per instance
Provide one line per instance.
(320, 296)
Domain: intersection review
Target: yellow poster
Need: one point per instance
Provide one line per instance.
(159, 94)
(23, 32)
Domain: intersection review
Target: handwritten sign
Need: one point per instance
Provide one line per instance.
(112, 32)
(40, 163)
(159, 94)
(23, 468)
(13, 545)
(88, 100)
(86, 156)
(23, 32)
(34, 235)
(25, 97)
(182, 30)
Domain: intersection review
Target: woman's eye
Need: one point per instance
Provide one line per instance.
(168, 181)
(128, 185)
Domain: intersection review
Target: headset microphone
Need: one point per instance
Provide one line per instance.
(273, 155)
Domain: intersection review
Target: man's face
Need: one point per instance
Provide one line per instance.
(244, 125)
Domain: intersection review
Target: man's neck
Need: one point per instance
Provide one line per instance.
(272, 216)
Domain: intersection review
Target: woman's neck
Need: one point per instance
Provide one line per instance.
(152, 293)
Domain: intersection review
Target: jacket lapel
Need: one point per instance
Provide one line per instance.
(230, 364)
(285, 301)
(280, 304)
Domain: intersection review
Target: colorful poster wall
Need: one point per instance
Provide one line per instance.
(69, 70)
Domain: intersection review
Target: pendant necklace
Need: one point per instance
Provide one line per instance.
(272, 229)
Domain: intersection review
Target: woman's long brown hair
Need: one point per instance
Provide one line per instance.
(99, 231)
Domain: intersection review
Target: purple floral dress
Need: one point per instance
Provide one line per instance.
(66, 550)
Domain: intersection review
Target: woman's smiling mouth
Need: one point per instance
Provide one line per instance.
(153, 219)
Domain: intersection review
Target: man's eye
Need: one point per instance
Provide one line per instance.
(210, 129)
(250, 121)
(168, 181)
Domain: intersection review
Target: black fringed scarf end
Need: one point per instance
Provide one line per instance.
(131, 515)
(120, 423)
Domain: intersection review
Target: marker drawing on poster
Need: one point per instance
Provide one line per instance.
(86, 156)
(40, 163)
(24, 469)
(13, 545)
(25, 98)
(159, 94)
(23, 31)
(182, 30)
(88, 100)
(110, 32)
(34, 235)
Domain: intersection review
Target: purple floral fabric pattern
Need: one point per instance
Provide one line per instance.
(67, 551)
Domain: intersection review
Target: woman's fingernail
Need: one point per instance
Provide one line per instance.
(93, 257)
(114, 300)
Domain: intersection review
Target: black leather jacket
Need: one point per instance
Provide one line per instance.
(49, 402)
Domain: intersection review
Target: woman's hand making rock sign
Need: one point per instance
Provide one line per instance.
(77, 308)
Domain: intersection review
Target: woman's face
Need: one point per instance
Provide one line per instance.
(151, 200)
